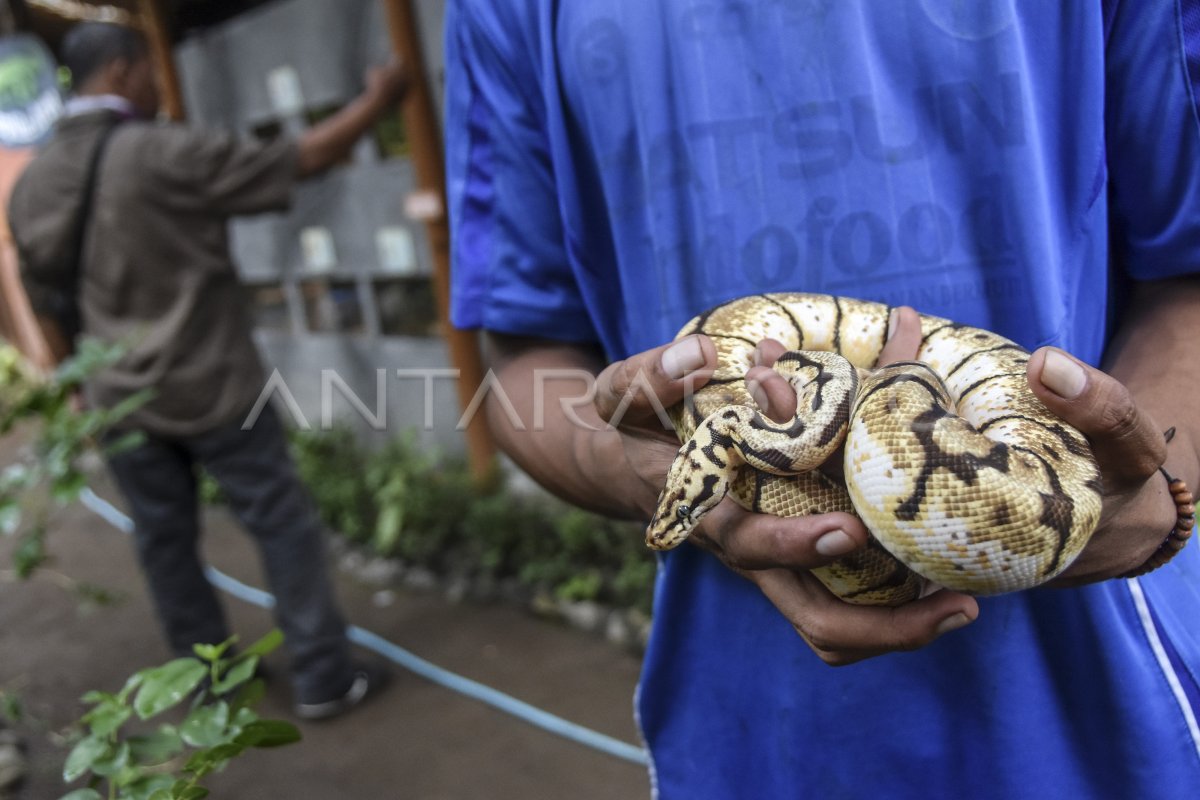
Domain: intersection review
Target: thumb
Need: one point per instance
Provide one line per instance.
(903, 337)
(1127, 442)
(643, 386)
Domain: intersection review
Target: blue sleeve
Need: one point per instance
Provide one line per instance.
(510, 271)
(1153, 136)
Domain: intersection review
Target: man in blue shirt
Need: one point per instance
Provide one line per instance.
(1030, 168)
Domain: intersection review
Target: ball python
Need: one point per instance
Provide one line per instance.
(962, 476)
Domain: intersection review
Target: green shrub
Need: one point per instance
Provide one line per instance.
(331, 464)
(48, 476)
(172, 762)
(405, 503)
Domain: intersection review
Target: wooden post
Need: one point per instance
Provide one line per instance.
(425, 142)
(154, 25)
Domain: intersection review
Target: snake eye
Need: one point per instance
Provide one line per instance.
(683, 512)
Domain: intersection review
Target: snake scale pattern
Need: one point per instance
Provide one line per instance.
(960, 473)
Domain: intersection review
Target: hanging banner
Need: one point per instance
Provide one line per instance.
(30, 98)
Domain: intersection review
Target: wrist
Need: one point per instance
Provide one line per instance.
(618, 481)
(1177, 538)
(374, 101)
(1183, 515)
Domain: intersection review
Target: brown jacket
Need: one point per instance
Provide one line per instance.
(157, 273)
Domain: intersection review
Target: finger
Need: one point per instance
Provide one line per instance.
(768, 352)
(904, 337)
(642, 386)
(1127, 442)
(748, 541)
(772, 393)
(841, 633)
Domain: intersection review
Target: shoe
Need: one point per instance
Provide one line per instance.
(369, 679)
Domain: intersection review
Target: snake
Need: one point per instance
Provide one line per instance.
(962, 476)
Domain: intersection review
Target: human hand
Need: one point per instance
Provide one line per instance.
(774, 553)
(1128, 444)
(387, 84)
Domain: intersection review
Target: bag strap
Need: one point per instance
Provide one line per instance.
(71, 322)
(89, 192)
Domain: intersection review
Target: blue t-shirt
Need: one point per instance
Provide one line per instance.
(616, 167)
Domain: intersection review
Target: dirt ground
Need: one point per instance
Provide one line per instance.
(416, 740)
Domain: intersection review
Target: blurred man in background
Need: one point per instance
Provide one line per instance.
(142, 259)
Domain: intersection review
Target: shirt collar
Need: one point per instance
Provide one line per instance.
(85, 104)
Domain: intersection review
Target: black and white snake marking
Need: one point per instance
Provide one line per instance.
(960, 473)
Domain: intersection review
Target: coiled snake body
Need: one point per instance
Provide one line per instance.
(960, 473)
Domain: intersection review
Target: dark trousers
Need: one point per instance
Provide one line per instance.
(256, 474)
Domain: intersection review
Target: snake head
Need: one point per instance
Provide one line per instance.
(690, 493)
(672, 524)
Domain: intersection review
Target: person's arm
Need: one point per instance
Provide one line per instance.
(1152, 380)
(332, 139)
(58, 344)
(568, 448)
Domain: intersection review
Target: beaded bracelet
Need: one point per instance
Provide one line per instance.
(1185, 506)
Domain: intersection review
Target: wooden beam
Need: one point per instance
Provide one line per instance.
(153, 22)
(425, 143)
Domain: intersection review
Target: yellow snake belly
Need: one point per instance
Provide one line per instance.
(959, 472)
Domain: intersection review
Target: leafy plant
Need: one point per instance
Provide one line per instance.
(171, 762)
(405, 503)
(49, 476)
(11, 709)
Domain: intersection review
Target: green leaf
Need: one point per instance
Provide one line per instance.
(113, 762)
(10, 517)
(14, 477)
(164, 687)
(212, 652)
(205, 761)
(66, 487)
(242, 718)
(388, 529)
(83, 755)
(206, 652)
(205, 726)
(131, 683)
(84, 794)
(158, 747)
(266, 645)
(96, 696)
(146, 787)
(250, 694)
(10, 707)
(124, 443)
(163, 793)
(192, 793)
(127, 406)
(107, 717)
(30, 553)
(268, 733)
(238, 674)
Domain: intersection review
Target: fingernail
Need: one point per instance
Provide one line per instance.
(760, 396)
(952, 623)
(893, 321)
(835, 543)
(1062, 375)
(683, 357)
